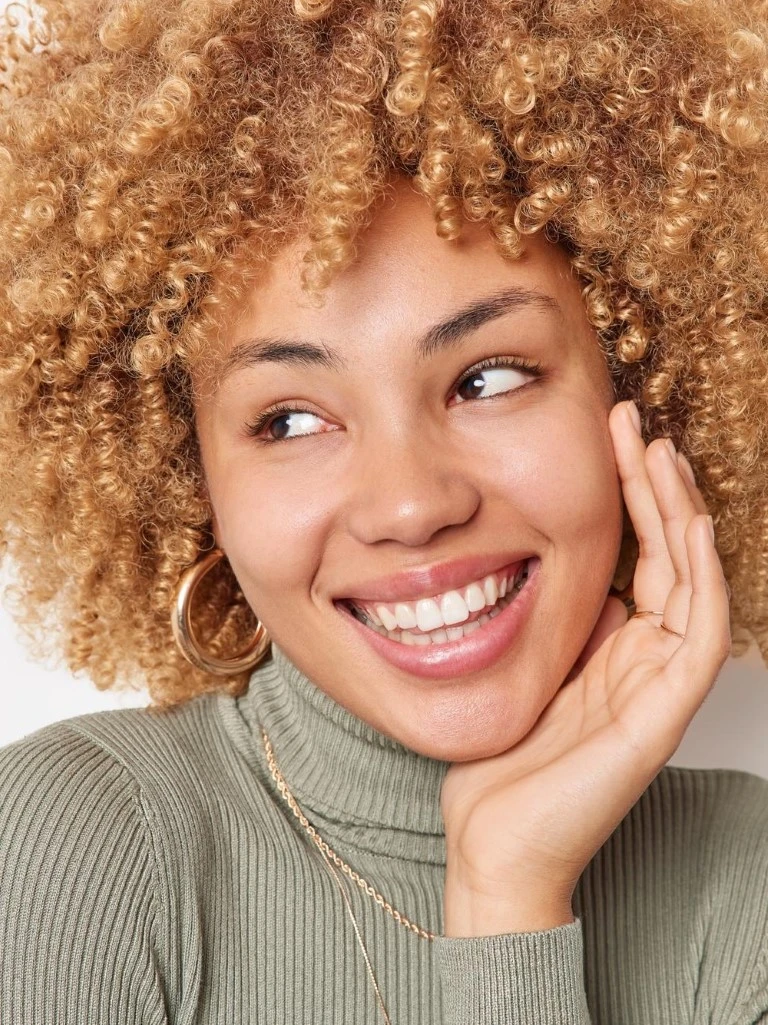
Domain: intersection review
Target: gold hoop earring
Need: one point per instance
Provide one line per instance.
(181, 625)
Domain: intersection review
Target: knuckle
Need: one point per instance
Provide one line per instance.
(651, 545)
(722, 646)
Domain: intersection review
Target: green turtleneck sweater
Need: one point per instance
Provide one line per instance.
(150, 871)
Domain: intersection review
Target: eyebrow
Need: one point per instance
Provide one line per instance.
(439, 337)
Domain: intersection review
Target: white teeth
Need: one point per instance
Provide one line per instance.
(453, 608)
(474, 597)
(406, 618)
(428, 616)
(447, 610)
(428, 612)
(491, 590)
(441, 634)
(388, 620)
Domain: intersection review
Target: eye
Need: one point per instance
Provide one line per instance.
(491, 377)
(495, 377)
(283, 423)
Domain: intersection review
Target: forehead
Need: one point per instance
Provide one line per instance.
(402, 279)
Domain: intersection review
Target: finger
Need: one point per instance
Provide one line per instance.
(697, 498)
(694, 665)
(689, 479)
(654, 574)
(676, 510)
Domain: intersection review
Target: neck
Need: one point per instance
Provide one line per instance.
(356, 782)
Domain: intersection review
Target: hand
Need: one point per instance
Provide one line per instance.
(522, 826)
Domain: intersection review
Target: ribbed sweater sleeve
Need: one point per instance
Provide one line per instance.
(77, 910)
(514, 978)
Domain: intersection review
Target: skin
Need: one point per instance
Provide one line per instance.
(410, 480)
(554, 742)
(522, 827)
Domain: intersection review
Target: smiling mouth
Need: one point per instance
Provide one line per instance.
(445, 633)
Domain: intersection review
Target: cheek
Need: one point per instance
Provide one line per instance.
(273, 527)
(560, 478)
(557, 479)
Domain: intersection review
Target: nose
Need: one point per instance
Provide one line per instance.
(409, 485)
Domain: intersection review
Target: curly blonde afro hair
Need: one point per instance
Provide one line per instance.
(145, 145)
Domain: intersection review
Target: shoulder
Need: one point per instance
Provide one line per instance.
(65, 799)
(718, 821)
(700, 832)
(92, 794)
(724, 810)
(711, 822)
(185, 774)
(138, 761)
(78, 871)
(145, 741)
(58, 769)
(78, 761)
(711, 791)
(110, 826)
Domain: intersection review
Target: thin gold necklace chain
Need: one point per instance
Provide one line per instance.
(339, 883)
(329, 853)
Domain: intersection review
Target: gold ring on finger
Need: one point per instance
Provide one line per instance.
(650, 612)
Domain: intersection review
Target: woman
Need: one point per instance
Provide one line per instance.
(331, 338)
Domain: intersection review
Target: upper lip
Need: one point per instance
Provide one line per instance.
(426, 581)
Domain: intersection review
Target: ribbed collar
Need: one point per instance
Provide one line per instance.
(350, 780)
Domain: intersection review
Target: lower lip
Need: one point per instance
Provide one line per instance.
(469, 654)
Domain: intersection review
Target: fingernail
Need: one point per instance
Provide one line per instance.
(711, 526)
(634, 416)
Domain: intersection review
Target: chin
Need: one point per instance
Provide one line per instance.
(468, 727)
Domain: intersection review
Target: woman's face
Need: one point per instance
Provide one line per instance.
(401, 468)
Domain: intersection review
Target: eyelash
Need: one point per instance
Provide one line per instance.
(255, 427)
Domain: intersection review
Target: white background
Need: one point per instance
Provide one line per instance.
(730, 730)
